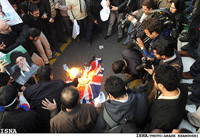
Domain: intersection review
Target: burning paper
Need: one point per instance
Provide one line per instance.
(89, 82)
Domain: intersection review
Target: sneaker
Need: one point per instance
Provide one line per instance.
(125, 42)
(186, 47)
(106, 36)
(184, 39)
(119, 39)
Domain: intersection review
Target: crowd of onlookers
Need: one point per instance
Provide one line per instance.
(151, 31)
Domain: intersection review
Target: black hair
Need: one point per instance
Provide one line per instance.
(44, 73)
(4, 79)
(167, 76)
(33, 7)
(7, 96)
(117, 66)
(34, 32)
(115, 86)
(152, 24)
(148, 3)
(14, 56)
(69, 97)
(12, 2)
(164, 46)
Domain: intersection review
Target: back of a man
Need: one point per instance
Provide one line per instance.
(122, 104)
(74, 117)
(167, 110)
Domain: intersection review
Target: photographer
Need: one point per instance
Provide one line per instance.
(140, 14)
(164, 53)
(153, 29)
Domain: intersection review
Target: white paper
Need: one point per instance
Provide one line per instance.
(105, 12)
(101, 46)
(76, 29)
(100, 99)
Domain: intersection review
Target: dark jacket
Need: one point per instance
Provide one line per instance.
(176, 63)
(38, 92)
(81, 119)
(118, 111)
(21, 120)
(93, 8)
(45, 8)
(167, 114)
(121, 4)
(133, 59)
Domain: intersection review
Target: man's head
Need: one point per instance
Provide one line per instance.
(70, 97)
(163, 48)
(34, 10)
(17, 58)
(45, 73)
(8, 97)
(115, 86)
(4, 79)
(166, 78)
(152, 27)
(2, 45)
(34, 34)
(118, 66)
(14, 4)
(4, 27)
(146, 6)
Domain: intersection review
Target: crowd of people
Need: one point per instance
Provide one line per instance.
(157, 105)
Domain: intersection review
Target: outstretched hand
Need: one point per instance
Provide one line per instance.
(150, 71)
(2, 65)
(48, 105)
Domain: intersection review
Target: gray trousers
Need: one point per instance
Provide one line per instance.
(66, 22)
(113, 16)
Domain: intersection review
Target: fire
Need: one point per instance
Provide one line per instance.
(85, 78)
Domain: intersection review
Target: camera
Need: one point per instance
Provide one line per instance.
(145, 64)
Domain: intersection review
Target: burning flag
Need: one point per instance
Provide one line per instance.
(90, 81)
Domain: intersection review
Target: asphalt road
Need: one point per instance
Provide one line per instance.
(77, 54)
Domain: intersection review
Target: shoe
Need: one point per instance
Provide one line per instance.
(186, 47)
(106, 36)
(89, 45)
(184, 39)
(119, 39)
(184, 34)
(125, 42)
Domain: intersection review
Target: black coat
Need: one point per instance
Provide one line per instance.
(21, 120)
(167, 114)
(121, 4)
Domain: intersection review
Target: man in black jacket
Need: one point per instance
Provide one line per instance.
(15, 116)
(93, 8)
(46, 88)
(167, 110)
(123, 103)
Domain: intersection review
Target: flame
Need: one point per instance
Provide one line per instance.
(86, 75)
(73, 72)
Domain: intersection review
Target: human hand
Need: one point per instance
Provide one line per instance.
(2, 65)
(44, 16)
(20, 93)
(108, 3)
(140, 43)
(51, 20)
(95, 21)
(114, 8)
(130, 18)
(69, 7)
(151, 59)
(72, 20)
(57, 5)
(2, 46)
(99, 105)
(150, 71)
(48, 105)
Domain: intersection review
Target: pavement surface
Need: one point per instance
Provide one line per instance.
(76, 54)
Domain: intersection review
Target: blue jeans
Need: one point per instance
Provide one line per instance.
(129, 30)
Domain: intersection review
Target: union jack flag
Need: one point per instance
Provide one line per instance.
(90, 91)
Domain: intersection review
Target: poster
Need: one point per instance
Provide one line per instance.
(8, 14)
(20, 66)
